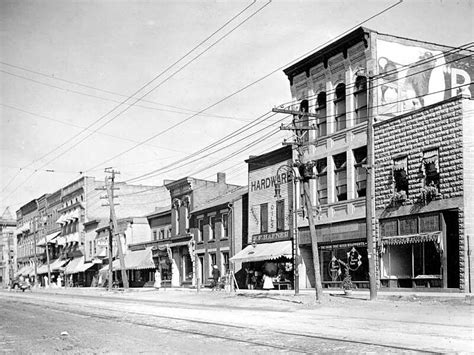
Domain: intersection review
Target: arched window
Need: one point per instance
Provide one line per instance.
(303, 121)
(360, 99)
(321, 112)
(340, 107)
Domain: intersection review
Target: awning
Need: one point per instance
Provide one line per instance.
(77, 265)
(48, 239)
(23, 270)
(53, 266)
(136, 260)
(412, 238)
(60, 220)
(267, 251)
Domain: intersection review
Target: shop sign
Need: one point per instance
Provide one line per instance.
(269, 182)
(270, 237)
(354, 259)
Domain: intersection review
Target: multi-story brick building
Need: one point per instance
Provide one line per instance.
(186, 195)
(424, 187)
(219, 226)
(362, 75)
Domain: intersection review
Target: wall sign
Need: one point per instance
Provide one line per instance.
(271, 237)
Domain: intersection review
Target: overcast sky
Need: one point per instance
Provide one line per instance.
(67, 64)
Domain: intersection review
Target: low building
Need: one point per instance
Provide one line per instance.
(424, 184)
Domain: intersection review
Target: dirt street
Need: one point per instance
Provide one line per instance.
(184, 322)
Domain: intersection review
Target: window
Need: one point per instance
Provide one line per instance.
(95, 247)
(169, 232)
(212, 227)
(264, 218)
(225, 225)
(431, 168)
(303, 121)
(90, 248)
(360, 158)
(400, 176)
(321, 168)
(340, 164)
(200, 229)
(360, 99)
(212, 261)
(280, 215)
(340, 107)
(225, 262)
(322, 113)
(155, 235)
(162, 234)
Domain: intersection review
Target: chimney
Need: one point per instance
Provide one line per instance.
(221, 178)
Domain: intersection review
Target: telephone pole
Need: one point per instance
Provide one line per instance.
(109, 185)
(306, 171)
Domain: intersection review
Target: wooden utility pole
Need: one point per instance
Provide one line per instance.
(109, 185)
(370, 200)
(305, 168)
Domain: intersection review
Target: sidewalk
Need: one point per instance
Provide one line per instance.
(306, 296)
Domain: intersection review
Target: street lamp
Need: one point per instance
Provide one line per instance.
(293, 220)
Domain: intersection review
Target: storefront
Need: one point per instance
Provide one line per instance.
(342, 249)
(272, 260)
(419, 251)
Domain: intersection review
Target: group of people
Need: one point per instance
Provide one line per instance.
(265, 276)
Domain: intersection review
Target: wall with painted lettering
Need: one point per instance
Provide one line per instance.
(262, 192)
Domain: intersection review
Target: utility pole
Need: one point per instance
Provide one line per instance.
(109, 185)
(306, 173)
(369, 196)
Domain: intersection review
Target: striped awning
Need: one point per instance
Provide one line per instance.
(77, 265)
(266, 251)
(412, 238)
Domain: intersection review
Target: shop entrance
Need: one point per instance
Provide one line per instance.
(269, 274)
(452, 241)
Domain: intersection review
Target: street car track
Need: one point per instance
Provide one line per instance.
(107, 315)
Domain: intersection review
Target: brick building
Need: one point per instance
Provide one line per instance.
(187, 194)
(424, 187)
(360, 75)
(219, 227)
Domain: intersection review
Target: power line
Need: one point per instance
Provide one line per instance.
(187, 111)
(144, 86)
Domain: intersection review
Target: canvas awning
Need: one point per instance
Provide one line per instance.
(24, 270)
(266, 251)
(77, 265)
(412, 238)
(48, 239)
(136, 260)
(53, 266)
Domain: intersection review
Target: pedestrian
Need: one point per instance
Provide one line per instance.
(157, 283)
(267, 283)
(216, 274)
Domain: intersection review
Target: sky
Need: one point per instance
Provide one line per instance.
(66, 67)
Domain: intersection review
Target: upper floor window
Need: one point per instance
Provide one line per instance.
(200, 229)
(225, 262)
(340, 170)
(212, 227)
(168, 232)
(303, 120)
(340, 107)
(321, 168)
(155, 235)
(225, 225)
(360, 158)
(322, 113)
(280, 215)
(360, 99)
(264, 218)
(162, 234)
(400, 175)
(431, 168)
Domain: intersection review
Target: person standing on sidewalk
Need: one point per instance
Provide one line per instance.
(216, 274)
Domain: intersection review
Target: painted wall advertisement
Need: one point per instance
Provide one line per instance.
(411, 77)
